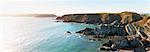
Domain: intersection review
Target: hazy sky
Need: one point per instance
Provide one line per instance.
(60, 7)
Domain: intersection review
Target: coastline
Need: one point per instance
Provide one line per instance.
(117, 27)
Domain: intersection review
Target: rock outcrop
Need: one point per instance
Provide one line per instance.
(127, 44)
(111, 24)
(105, 30)
(133, 28)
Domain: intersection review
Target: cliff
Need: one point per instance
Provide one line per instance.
(111, 24)
(129, 30)
(102, 18)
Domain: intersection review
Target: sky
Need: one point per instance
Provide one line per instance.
(60, 7)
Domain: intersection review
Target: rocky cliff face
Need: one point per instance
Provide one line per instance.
(130, 30)
(102, 18)
(123, 23)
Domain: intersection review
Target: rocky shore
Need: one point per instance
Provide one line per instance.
(131, 29)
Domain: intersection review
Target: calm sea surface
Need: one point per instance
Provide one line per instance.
(30, 34)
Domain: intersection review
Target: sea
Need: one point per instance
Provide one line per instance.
(43, 34)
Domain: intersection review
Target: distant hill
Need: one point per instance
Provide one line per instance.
(37, 15)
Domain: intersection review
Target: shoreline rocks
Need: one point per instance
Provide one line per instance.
(134, 44)
(105, 30)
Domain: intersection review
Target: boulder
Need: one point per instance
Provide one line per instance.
(103, 30)
(146, 43)
(108, 44)
(135, 43)
(122, 44)
(85, 31)
(112, 30)
(141, 49)
(128, 44)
